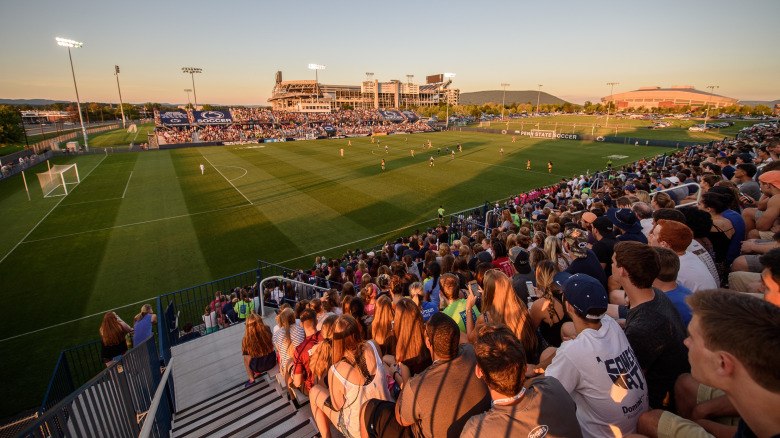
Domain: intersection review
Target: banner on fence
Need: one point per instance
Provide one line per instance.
(174, 118)
(212, 117)
(542, 133)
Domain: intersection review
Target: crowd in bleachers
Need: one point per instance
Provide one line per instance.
(636, 300)
(256, 124)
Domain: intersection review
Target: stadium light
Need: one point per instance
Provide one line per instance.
(707, 113)
(611, 87)
(71, 44)
(447, 97)
(121, 105)
(538, 95)
(503, 100)
(192, 71)
(316, 68)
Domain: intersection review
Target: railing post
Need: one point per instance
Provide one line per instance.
(162, 332)
(260, 289)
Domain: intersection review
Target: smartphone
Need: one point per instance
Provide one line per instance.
(474, 288)
(531, 289)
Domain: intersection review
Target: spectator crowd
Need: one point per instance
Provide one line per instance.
(258, 124)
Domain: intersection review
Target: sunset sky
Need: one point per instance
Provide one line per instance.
(571, 47)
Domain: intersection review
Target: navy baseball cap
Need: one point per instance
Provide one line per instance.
(587, 295)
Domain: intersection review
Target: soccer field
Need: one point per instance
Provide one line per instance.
(140, 224)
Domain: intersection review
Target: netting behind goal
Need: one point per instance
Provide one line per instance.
(56, 180)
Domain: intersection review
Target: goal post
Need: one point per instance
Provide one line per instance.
(58, 180)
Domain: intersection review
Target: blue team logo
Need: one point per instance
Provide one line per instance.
(213, 115)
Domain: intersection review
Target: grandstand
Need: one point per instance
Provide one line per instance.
(309, 96)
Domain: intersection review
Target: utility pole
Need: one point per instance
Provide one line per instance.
(121, 104)
(707, 112)
(503, 100)
(538, 95)
(611, 87)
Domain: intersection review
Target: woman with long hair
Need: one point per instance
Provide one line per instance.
(411, 355)
(142, 324)
(431, 283)
(547, 313)
(257, 347)
(554, 252)
(112, 335)
(501, 306)
(286, 338)
(356, 376)
(382, 326)
(321, 357)
(417, 294)
(369, 294)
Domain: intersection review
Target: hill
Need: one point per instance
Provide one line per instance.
(769, 103)
(512, 97)
(35, 102)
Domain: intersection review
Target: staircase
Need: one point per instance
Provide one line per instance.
(211, 400)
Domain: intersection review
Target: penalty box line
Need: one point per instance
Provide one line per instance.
(226, 179)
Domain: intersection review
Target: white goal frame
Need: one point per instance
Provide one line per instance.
(55, 181)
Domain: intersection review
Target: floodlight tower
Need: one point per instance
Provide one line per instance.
(408, 89)
(317, 68)
(611, 87)
(369, 75)
(121, 105)
(64, 42)
(538, 95)
(447, 97)
(707, 112)
(188, 91)
(192, 71)
(503, 100)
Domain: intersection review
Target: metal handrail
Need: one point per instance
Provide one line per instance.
(151, 414)
(283, 279)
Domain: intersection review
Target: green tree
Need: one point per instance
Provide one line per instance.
(10, 125)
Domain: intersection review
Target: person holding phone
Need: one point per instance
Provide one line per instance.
(456, 302)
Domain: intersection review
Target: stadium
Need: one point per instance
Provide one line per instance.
(672, 97)
(348, 256)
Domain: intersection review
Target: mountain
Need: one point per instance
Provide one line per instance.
(512, 97)
(36, 102)
(769, 103)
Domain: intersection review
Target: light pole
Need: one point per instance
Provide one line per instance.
(121, 104)
(408, 88)
(64, 42)
(188, 91)
(503, 100)
(707, 112)
(316, 68)
(538, 95)
(447, 98)
(192, 71)
(611, 87)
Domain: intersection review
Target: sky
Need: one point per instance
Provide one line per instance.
(572, 48)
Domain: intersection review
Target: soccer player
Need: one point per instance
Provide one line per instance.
(430, 162)
(514, 139)
(383, 164)
(202, 169)
(528, 165)
(412, 152)
(460, 147)
(453, 154)
(549, 167)
(349, 142)
(502, 152)
(341, 152)
(386, 151)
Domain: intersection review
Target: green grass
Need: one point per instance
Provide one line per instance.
(141, 224)
(115, 137)
(587, 125)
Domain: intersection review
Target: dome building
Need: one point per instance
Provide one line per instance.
(673, 97)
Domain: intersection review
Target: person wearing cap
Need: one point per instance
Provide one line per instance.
(629, 225)
(760, 223)
(653, 326)
(584, 260)
(603, 231)
(520, 259)
(598, 367)
(544, 408)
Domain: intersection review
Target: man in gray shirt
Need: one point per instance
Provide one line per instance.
(743, 178)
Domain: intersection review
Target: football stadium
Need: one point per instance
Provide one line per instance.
(331, 257)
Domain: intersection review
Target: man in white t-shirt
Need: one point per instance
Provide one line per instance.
(598, 367)
(676, 236)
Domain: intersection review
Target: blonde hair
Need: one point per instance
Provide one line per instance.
(501, 305)
(382, 325)
(145, 310)
(409, 329)
(257, 337)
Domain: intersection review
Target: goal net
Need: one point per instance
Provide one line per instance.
(56, 180)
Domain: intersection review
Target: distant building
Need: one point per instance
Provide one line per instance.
(776, 110)
(674, 97)
(35, 117)
(310, 96)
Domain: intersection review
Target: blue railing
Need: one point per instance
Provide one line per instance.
(176, 309)
(109, 404)
(74, 367)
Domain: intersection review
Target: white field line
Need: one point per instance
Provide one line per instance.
(47, 214)
(127, 185)
(136, 223)
(90, 202)
(237, 167)
(73, 320)
(223, 176)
